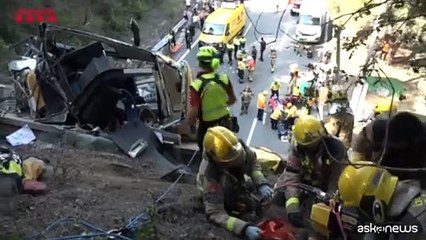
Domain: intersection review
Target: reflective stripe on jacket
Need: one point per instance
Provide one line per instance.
(213, 183)
(212, 107)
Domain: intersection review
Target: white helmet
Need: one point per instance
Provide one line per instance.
(249, 58)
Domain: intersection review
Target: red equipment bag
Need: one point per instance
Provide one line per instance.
(276, 229)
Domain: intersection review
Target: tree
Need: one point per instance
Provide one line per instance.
(359, 15)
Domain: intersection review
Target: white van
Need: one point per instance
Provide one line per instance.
(309, 26)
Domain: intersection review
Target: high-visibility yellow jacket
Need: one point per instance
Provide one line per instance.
(241, 65)
(275, 86)
(276, 115)
(230, 46)
(213, 105)
(291, 112)
(236, 41)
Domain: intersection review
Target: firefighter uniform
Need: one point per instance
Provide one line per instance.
(309, 163)
(246, 96)
(243, 41)
(261, 105)
(230, 50)
(236, 43)
(241, 66)
(221, 177)
(273, 57)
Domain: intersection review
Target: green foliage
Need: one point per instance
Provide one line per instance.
(11, 236)
(358, 16)
(148, 231)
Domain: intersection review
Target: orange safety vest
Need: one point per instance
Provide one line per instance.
(261, 102)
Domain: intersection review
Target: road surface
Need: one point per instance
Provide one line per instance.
(252, 131)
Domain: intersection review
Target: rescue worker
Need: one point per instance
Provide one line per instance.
(405, 146)
(383, 199)
(294, 76)
(340, 121)
(262, 48)
(273, 57)
(290, 113)
(254, 53)
(241, 67)
(11, 174)
(275, 89)
(243, 41)
(230, 50)
(236, 43)
(246, 96)
(276, 116)
(242, 54)
(227, 198)
(171, 37)
(251, 66)
(261, 104)
(309, 162)
(188, 38)
(221, 49)
(322, 100)
(210, 95)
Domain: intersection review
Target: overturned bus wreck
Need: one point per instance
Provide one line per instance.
(131, 95)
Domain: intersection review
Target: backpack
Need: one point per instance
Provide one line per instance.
(216, 87)
(218, 84)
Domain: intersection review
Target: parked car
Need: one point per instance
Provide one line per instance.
(310, 24)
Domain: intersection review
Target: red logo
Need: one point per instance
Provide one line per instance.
(35, 15)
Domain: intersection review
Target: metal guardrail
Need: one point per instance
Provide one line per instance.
(163, 42)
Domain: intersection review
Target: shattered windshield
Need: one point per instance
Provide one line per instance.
(309, 20)
(214, 29)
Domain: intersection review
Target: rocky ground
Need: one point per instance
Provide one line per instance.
(105, 190)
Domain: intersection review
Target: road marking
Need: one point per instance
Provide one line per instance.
(250, 135)
(188, 50)
(196, 42)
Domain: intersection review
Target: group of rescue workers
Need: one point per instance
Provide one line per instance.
(235, 189)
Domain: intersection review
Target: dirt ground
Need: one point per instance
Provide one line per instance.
(105, 190)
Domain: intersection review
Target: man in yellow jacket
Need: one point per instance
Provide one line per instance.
(275, 88)
(276, 117)
(261, 105)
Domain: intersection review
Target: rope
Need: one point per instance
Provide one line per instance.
(97, 232)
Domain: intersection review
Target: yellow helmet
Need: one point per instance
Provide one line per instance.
(222, 144)
(385, 106)
(308, 130)
(355, 183)
(265, 93)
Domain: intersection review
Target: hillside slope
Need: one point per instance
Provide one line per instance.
(108, 17)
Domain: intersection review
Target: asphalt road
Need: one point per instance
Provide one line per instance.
(252, 131)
